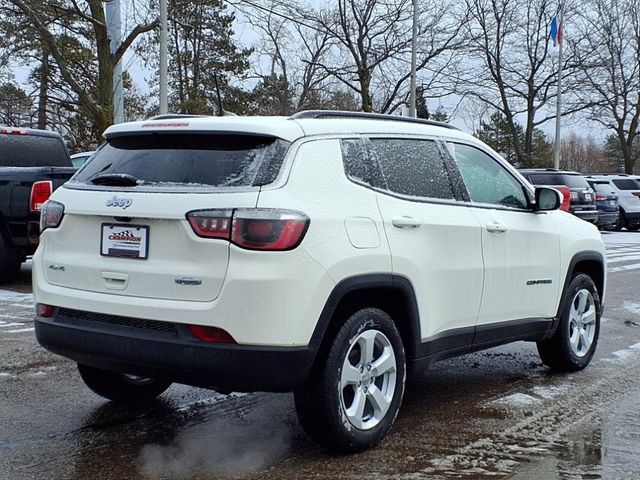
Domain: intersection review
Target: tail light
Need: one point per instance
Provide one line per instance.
(599, 197)
(43, 310)
(210, 334)
(574, 196)
(51, 215)
(253, 229)
(637, 194)
(14, 131)
(566, 197)
(40, 193)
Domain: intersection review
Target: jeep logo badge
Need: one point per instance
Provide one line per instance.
(124, 203)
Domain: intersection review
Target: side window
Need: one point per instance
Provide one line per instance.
(487, 181)
(357, 164)
(413, 167)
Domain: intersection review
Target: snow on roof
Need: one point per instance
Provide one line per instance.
(284, 127)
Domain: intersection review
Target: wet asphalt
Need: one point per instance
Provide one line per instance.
(492, 414)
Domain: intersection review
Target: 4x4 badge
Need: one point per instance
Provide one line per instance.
(119, 202)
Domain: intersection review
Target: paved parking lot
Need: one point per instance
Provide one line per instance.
(494, 414)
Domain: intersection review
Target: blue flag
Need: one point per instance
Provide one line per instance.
(553, 35)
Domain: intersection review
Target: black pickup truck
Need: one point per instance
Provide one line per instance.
(33, 163)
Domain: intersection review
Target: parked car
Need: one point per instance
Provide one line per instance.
(33, 163)
(606, 203)
(323, 253)
(582, 198)
(78, 159)
(628, 190)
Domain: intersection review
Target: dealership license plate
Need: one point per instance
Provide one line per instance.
(612, 203)
(587, 197)
(130, 241)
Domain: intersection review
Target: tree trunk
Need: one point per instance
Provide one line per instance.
(43, 95)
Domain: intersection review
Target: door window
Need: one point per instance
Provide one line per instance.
(487, 181)
(412, 167)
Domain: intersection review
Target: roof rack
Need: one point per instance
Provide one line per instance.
(366, 116)
(610, 174)
(539, 169)
(173, 116)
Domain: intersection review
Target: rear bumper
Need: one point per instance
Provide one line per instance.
(176, 356)
(607, 218)
(632, 217)
(590, 215)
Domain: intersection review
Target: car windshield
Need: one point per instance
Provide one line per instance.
(32, 151)
(188, 159)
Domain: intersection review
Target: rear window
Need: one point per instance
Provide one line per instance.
(627, 184)
(193, 159)
(544, 179)
(602, 187)
(575, 181)
(571, 181)
(32, 151)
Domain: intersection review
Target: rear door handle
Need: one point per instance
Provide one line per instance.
(496, 227)
(406, 222)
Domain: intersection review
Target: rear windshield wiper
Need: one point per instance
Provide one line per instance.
(116, 180)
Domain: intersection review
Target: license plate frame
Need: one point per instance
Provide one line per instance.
(124, 241)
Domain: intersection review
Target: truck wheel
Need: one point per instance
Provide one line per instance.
(353, 396)
(121, 387)
(573, 344)
(9, 262)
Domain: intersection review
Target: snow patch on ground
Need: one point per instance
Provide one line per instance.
(11, 324)
(633, 307)
(633, 266)
(20, 330)
(621, 238)
(516, 400)
(550, 391)
(628, 352)
(16, 297)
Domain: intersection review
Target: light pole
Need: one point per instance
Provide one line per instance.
(163, 57)
(556, 153)
(414, 35)
(114, 30)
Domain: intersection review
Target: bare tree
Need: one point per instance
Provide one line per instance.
(583, 154)
(371, 42)
(512, 69)
(289, 57)
(609, 52)
(60, 25)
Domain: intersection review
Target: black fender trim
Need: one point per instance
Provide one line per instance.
(587, 255)
(396, 283)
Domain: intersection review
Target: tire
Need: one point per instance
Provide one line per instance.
(632, 228)
(9, 262)
(122, 388)
(573, 344)
(619, 224)
(344, 405)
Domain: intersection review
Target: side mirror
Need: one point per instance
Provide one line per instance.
(547, 199)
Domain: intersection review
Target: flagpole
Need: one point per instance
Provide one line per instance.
(556, 153)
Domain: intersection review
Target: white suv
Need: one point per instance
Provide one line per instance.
(324, 254)
(627, 188)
